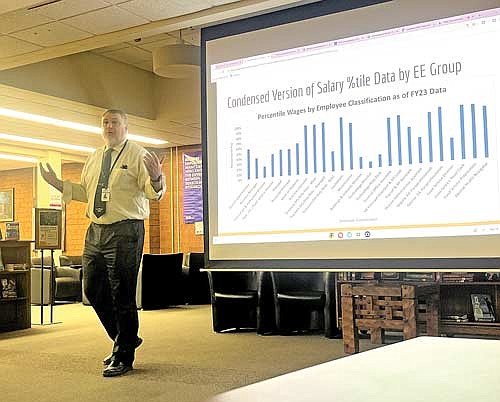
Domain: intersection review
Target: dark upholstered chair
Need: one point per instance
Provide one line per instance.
(197, 286)
(235, 300)
(162, 281)
(300, 301)
(67, 280)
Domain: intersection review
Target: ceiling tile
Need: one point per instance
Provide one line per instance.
(155, 10)
(52, 34)
(12, 47)
(105, 20)
(22, 19)
(70, 8)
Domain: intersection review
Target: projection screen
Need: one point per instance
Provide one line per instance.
(354, 138)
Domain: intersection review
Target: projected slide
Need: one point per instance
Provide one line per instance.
(385, 135)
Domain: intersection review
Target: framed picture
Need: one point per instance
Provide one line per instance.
(48, 228)
(7, 205)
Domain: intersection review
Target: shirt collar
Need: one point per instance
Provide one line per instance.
(118, 147)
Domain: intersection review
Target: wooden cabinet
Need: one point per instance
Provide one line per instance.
(15, 311)
(455, 305)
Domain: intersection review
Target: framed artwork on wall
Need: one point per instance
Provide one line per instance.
(7, 205)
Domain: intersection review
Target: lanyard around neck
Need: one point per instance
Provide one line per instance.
(118, 157)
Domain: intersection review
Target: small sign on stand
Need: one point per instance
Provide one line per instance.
(48, 235)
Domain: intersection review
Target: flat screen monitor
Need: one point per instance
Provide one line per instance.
(354, 135)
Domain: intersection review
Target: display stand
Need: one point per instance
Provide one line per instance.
(51, 301)
(48, 229)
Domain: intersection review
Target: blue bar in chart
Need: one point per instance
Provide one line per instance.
(281, 162)
(248, 164)
(398, 125)
(351, 154)
(473, 128)
(289, 155)
(306, 163)
(389, 142)
(341, 123)
(462, 131)
(429, 133)
(315, 158)
(485, 125)
(420, 158)
(323, 146)
(410, 156)
(297, 158)
(440, 134)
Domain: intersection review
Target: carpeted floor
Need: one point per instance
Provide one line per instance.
(181, 359)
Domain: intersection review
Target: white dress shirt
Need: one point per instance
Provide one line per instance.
(129, 185)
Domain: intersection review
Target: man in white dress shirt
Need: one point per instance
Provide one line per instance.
(117, 182)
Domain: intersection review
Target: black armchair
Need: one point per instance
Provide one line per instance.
(300, 302)
(197, 286)
(235, 300)
(162, 281)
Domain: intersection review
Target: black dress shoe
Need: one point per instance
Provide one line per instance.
(116, 368)
(108, 359)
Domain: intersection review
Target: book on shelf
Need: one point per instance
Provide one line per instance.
(419, 276)
(8, 288)
(2, 267)
(482, 307)
(16, 267)
(12, 231)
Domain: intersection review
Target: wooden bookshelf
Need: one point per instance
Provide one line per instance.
(15, 312)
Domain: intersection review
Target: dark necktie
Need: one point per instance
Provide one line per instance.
(99, 204)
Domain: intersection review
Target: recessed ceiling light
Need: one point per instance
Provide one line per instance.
(18, 158)
(38, 141)
(72, 125)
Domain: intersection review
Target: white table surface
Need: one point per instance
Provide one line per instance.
(423, 369)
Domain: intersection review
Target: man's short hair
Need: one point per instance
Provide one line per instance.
(116, 111)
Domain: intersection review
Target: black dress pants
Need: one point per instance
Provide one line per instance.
(111, 259)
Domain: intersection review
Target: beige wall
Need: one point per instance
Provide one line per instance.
(91, 79)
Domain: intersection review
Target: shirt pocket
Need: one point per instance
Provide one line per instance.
(124, 180)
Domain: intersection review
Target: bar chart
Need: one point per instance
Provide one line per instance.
(365, 169)
(403, 147)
